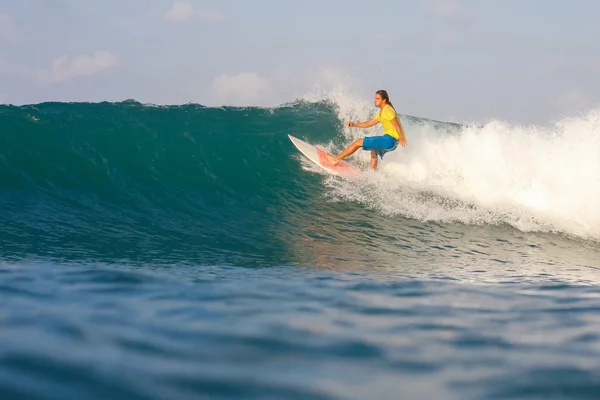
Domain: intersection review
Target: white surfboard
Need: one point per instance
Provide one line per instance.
(319, 157)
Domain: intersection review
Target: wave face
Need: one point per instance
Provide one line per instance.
(124, 180)
(127, 181)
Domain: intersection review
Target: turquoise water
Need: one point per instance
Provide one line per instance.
(190, 252)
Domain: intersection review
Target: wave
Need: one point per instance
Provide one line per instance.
(530, 177)
(127, 180)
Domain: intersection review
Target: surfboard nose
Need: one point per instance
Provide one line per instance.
(320, 157)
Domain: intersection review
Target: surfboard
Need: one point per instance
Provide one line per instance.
(319, 157)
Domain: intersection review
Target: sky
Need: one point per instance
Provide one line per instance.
(521, 61)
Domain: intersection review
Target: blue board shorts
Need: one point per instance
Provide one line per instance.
(381, 144)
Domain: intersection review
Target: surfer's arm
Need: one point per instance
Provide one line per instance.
(398, 128)
(366, 124)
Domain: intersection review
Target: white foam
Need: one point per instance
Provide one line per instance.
(533, 178)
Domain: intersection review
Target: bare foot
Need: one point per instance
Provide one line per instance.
(333, 160)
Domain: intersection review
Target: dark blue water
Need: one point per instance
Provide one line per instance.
(146, 254)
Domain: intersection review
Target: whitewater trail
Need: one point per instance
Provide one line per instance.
(533, 178)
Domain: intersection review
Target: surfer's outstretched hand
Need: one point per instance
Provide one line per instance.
(403, 142)
(349, 123)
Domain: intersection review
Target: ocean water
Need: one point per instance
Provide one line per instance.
(186, 252)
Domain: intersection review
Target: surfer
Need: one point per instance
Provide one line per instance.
(378, 145)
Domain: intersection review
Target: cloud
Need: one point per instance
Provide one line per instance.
(9, 31)
(65, 68)
(242, 88)
(448, 9)
(184, 11)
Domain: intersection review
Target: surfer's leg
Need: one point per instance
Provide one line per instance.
(373, 159)
(358, 143)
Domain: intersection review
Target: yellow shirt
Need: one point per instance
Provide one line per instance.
(385, 116)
